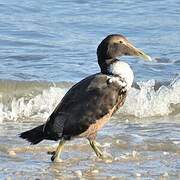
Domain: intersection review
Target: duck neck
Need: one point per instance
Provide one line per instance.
(105, 65)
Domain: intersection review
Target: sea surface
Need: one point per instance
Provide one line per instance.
(47, 46)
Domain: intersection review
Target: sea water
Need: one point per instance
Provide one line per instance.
(47, 46)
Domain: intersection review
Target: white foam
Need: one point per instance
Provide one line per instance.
(39, 106)
(143, 102)
(146, 101)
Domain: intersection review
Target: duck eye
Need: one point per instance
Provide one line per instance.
(121, 42)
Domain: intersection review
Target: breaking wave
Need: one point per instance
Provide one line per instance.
(30, 100)
(152, 98)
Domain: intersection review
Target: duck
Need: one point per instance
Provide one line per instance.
(90, 103)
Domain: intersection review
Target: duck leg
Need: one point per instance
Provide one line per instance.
(56, 154)
(98, 152)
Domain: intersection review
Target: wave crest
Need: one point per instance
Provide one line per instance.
(146, 99)
(149, 100)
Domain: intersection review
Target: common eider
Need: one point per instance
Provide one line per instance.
(90, 103)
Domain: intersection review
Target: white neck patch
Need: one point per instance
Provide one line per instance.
(123, 70)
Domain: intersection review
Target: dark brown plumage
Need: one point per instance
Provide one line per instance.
(85, 103)
(89, 104)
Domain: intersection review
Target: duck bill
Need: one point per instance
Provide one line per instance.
(143, 55)
(133, 51)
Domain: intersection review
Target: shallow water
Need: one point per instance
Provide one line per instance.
(47, 46)
(138, 150)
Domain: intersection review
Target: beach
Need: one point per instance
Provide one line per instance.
(46, 47)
